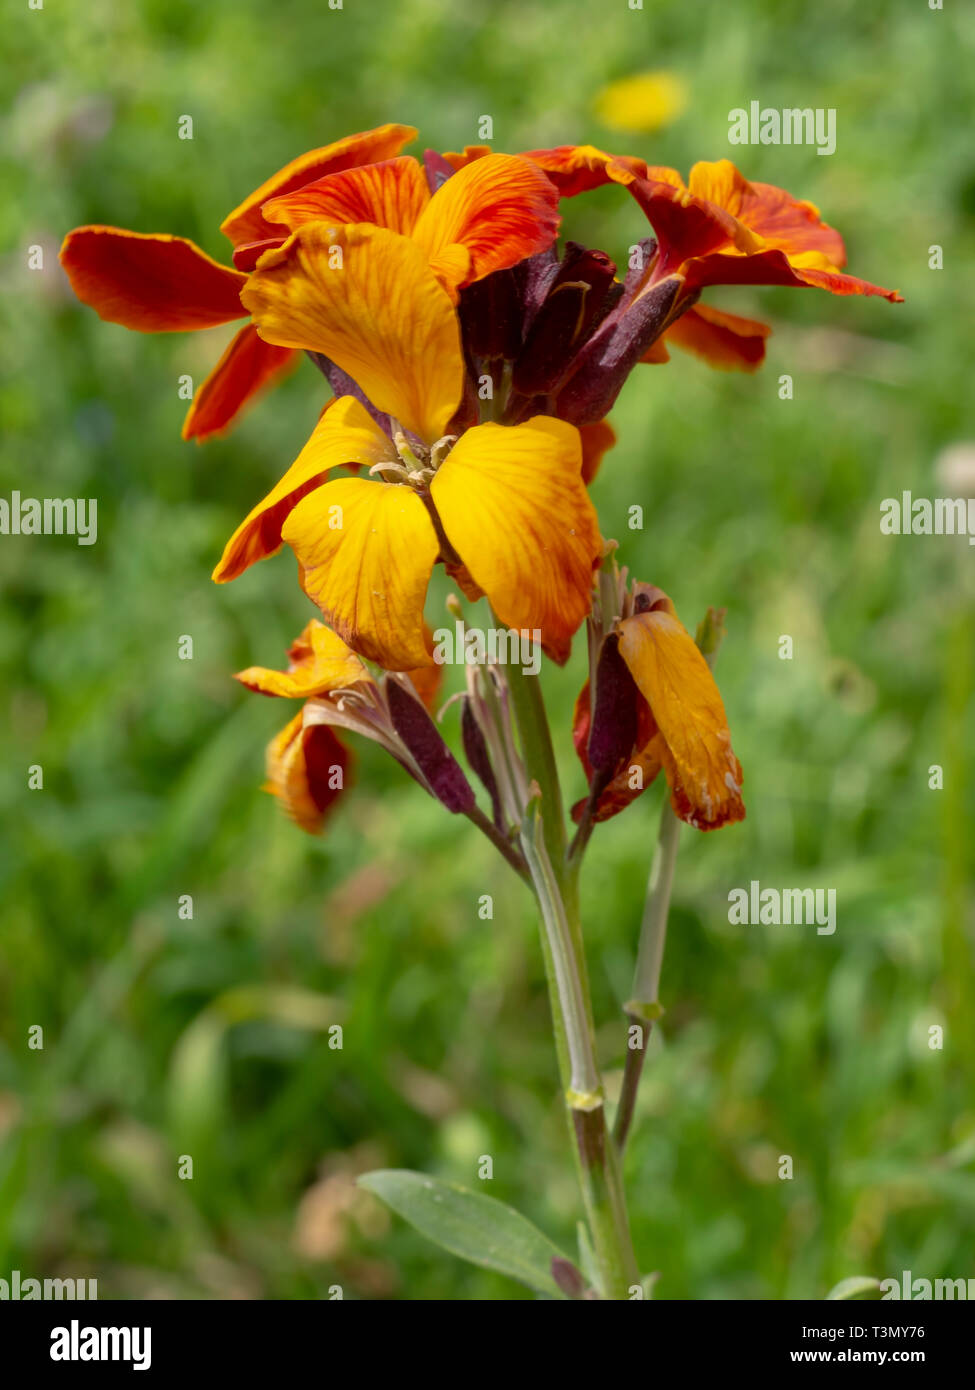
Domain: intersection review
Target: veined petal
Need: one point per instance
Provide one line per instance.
(686, 225)
(578, 168)
(392, 194)
(501, 208)
(318, 663)
(346, 433)
(725, 341)
(306, 769)
(515, 508)
(153, 283)
(376, 309)
(673, 677)
(783, 222)
(368, 574)
(247, 365)
(246, 222)
(460, 159)
(773, 268)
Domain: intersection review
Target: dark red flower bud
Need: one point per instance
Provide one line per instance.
(491, 314)
(579, 296)
(614, 722)
(599, 371)
(422, 738)
(477, 755)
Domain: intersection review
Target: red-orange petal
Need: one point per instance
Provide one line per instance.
(578, 168)
(247, 365)
(597, 439)
(725, 341)
(500, 209)
(774, 268)
(152, 283)
(391, 194)
(247, 223)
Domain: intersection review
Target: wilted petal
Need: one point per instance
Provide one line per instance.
(675, 680)
(318, 663)
(306, 770)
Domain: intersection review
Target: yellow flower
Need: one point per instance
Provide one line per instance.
(644, 102)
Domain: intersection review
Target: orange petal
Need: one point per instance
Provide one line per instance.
(673, 677)
(156, 284)
(246, 222)
(346, 433)
(515, 508)
(306, 770)
(500, 208)
(375, 308)
(247, 365)
(392, 194)
(427, 680)
(468, 156)
(773, 268)
(318, 663)
(367, 565)
(783, 222)
(724, 340)
(597, 439)
(686, 225)
(578, 168)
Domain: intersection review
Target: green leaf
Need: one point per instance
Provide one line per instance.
(849, 1288)
(477, 1228)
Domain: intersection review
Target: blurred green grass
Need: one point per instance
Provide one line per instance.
(166, 1037)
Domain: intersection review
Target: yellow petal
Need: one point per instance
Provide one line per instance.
(515, 508)
(676, 682)
(367, 299)
(346, 433)
(319, 662)
(366, 550)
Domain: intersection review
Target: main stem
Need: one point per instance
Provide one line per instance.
(544, 846)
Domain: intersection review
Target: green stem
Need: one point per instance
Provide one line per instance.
(543, 844)
(644, 1005)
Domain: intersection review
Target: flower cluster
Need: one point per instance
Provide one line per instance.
(473, 362)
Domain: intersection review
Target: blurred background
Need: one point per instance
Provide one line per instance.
(166, 1036)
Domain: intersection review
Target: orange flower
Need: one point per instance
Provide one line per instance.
(719, 229)
(306, 771)
(504, 506)
(166, 284)
(656, 705)
(490, 215)
(307, 763)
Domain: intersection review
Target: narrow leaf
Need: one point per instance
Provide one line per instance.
(477, 1228)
